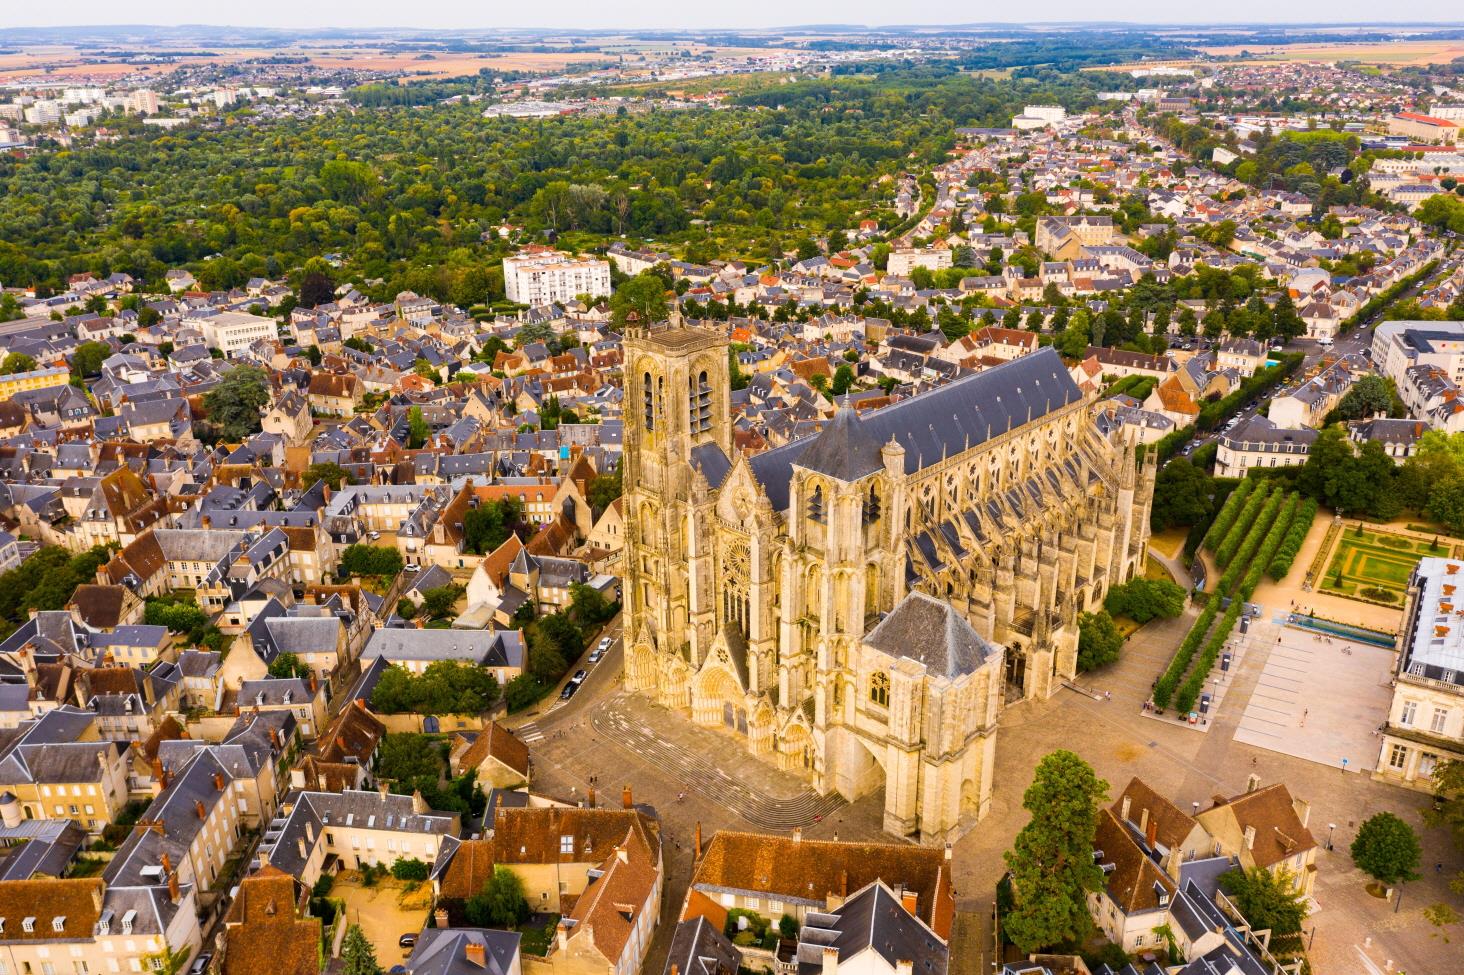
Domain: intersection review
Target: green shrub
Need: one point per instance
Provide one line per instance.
(1223, 522)
(409, 869)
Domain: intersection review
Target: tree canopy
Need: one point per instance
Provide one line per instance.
(1051, 861)
(1387, 849)
(1099, 642)
(236, 404)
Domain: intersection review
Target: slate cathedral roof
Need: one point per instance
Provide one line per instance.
(930, 427)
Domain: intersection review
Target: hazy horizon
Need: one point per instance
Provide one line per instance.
(659, 14)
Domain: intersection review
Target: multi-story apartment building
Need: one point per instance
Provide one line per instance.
(1426, 720)
(33, 379)
(233, 331)
(542, 276)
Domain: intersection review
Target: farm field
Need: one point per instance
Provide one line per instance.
(1383, 53)
(1374, 567)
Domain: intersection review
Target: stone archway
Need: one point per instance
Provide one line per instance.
(641, 667)
(718, 700)
(761, 729)
(796, 749)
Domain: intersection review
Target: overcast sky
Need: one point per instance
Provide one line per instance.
(569, 14)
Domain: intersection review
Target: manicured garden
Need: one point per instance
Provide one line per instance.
(1374, 566)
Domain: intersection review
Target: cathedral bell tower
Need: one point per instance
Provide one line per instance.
(677, 413)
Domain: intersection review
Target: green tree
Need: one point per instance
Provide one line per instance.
(843, 379)
(1266, 900)
(604, 489)
(237, 402)
(438, 601)
(1183, 495)
(87, 358)
(371, 560)
(1369, 396)
(328, 471)
(288, 665)
(644, 296)
(1099, 641)
(357, 955)
(588, 605)
(1387, 849)
(1142, 600)
(501, 903)
(16, 362)
(1447, 810)
(488, 526)
(417, 429)
(1051, 861)
(316, 288)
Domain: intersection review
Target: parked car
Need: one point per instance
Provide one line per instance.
(408, 940)
(200, 963)
(568, 691)
(600, 650)
(579, 676)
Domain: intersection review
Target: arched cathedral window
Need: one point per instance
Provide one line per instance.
(879, 688)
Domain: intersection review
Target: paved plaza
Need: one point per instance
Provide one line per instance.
(1319, 698)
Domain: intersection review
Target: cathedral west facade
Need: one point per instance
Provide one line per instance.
(858, 605)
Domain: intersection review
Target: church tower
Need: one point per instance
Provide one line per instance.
(677, 420)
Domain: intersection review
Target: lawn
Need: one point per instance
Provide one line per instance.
(1374, 566)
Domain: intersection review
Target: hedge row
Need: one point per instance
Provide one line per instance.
(1240, 531)
(1179, 663)
(1254, 536)
(1295, 538)
(1223, 522)
(1258, 559)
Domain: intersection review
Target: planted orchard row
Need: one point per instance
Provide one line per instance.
(1257, 557)
(1257, 533)
(1295, 538)
(1241, 530)
(1225, 520)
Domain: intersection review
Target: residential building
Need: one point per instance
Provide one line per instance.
(1258, 442)
(542, 276)
(231, 332)
(1426, 718)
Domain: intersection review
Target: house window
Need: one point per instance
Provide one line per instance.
(1410, 708)
(566, 845)
(1398, 757)
(879, 689)
(1440, 718)
(1138, 940)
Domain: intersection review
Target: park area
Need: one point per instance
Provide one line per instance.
(1374, 566)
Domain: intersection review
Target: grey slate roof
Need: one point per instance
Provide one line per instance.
(698, 948)
(843, 449)
(930, 631)
(944, 421)
(871, 920)
(442, 951)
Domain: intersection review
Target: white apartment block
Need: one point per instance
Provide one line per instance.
(1426, 720)
(233, 331)
(904, 260)
(541, 277)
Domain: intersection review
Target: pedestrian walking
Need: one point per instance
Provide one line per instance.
(1304, 713)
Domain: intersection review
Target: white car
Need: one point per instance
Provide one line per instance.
(600, 649)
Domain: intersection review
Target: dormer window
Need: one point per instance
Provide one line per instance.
(29, 924)
(58, 923)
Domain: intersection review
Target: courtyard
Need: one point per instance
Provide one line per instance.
(385, 911)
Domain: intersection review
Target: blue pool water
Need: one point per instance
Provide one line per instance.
(1374, 638)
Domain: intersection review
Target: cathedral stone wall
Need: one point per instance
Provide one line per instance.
(858, 606)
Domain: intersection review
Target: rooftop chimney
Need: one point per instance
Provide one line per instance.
(173, 892)
(199, 808)
(590, 798)
(1250, 837)
(1124, 815)
(830, 960)
(798, 834)
(473, 954)
(218, 778)
(440, 916)
(904, 966)
(1151, 831)
(626, 800)
(1252, 783)
(1143, 820)
(696, 846)
(1303, 810)
(622, 854)
(909, 900)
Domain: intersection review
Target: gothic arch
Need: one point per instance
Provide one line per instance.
(717, 696)
(796, 749)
